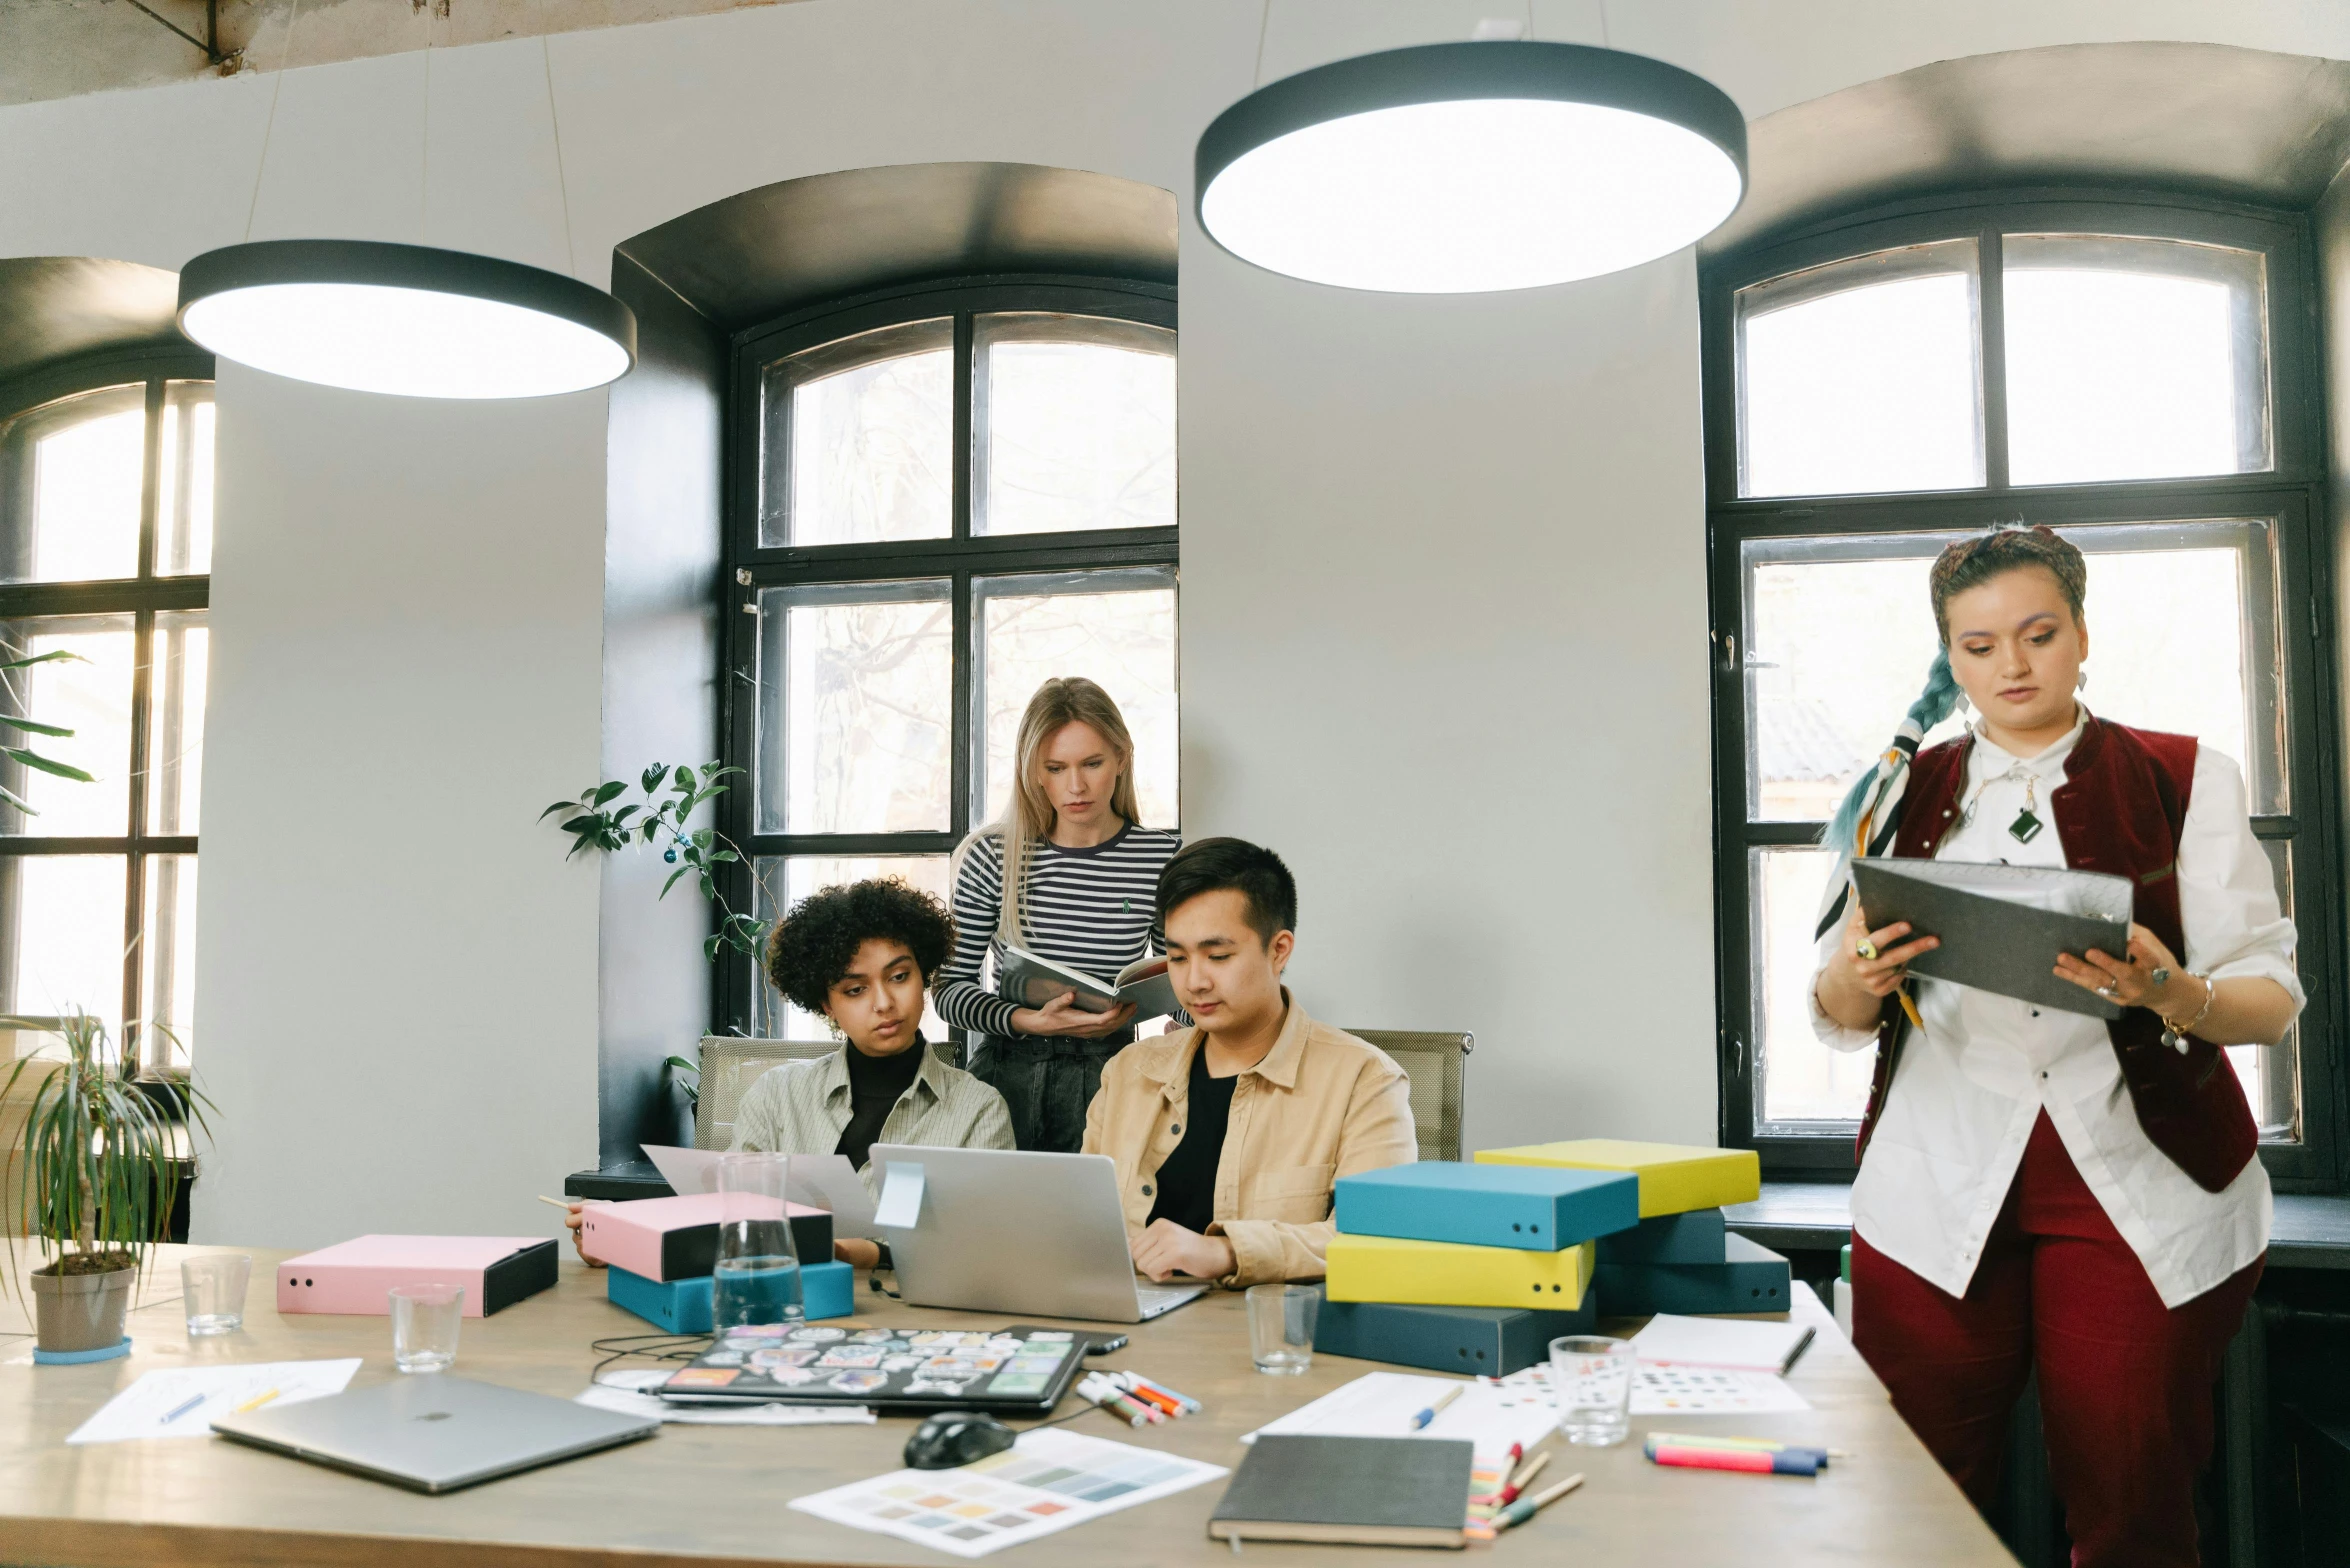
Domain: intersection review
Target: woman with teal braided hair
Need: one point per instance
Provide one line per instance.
(2043, 1190)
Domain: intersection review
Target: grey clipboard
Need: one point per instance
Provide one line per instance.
(2002, 926)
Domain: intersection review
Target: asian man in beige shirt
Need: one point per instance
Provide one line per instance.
(1229, 1135)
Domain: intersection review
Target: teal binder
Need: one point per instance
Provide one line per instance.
(682, 1306)
(1752, 1279)
(1694, 1237)
(1532, 1208)
(1490, 1341)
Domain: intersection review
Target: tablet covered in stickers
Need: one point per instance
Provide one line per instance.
(1021, 1370)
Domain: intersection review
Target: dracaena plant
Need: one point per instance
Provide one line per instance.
(599, 819)
(24, 755)
(98, 1158)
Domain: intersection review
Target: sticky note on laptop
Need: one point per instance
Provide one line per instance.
(1674, 1178)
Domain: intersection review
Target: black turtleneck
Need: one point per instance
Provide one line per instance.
(876, 1084)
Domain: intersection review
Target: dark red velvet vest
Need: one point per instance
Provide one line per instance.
(2120, 810)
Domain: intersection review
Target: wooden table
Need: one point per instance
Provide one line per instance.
(717, 1495)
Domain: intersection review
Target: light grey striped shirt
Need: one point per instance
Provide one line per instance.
(804, 1107)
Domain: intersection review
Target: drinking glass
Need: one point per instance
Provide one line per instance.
(1281, 1327)
(425, 1319)
(756, 1279)
(1593, 1375)
(213, 1291)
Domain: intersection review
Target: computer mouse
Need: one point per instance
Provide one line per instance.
(956, 1437)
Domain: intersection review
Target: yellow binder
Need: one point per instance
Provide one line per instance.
(1450, 1274)
(1674, 1178)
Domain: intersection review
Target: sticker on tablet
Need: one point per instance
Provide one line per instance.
(859, 1382)
(818, 1336)
(1009, 1382)
(727, 1358)
(845, 1357)
(900, 1363)
(768, 1360)
(789, 1377)
(704, 1377)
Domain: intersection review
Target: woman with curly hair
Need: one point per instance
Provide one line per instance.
(860, 956)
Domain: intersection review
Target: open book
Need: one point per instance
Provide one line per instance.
(1032, 981)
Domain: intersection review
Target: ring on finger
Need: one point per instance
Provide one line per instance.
(2108, 992)
(1865, 949)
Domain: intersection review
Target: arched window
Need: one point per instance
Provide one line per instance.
(2140, 375)
(105, 563)
(941, 497)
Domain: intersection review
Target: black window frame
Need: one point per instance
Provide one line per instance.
(749, 566)
(2292, 491)
(140, 597)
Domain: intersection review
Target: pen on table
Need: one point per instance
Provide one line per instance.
(1107, 1398)
(1157, 1399)
(1758, 1461)
(1766, 1445)
(1421, 1421)
(1526, 1473)
(257, 1401)
(1190, 1405)
(193, 1401)
(560, 1203)
(1519, 1512)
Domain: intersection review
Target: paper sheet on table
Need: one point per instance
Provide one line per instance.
(158, 1404)
(1664, 1390)
(629, 1394)
(1492, 1416)
(1049, 1480)
(821, 1181)
(1741, 1344)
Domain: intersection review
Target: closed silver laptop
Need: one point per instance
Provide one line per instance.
(434, 1433)
(1002, 1230)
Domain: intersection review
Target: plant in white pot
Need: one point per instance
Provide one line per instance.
(100, 1172)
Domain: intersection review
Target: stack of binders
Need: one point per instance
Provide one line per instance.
(1467, 1268)
(1679, 1257)
(659, 1253)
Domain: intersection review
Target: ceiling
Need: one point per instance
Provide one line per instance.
(767, 252)
(2243, 123)
(54, 308)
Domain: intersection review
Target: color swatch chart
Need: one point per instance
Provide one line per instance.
(1049, 1480)
(1663, 1389)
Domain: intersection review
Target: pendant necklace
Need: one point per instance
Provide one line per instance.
(2027, 824)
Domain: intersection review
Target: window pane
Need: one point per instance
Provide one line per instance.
(856, 695)
(1862, 375)
(2271, 1074)
(1840, 632)
(183, 502)
(167, 963)
(61, 936)
(1797, 1079)
(859, 440)
(1116, 629)
(181, 667)
(88, 693)
(2133, 359)
(1073, 424)
(793, 879)
(77, 467)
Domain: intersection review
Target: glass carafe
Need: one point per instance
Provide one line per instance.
(756, 1280)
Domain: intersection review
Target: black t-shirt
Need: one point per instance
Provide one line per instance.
(876, 1084)
(1187, 1182)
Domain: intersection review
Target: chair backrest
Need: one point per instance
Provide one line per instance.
(1434, 1061)
(732, 1063)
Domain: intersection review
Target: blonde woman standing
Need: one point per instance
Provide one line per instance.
(1070, 874)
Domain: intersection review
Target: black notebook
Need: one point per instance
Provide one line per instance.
(1351, 1491)
(2002, 926)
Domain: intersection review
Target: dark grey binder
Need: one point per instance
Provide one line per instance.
(2002, 926)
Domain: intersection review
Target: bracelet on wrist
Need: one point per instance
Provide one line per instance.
(2174, 1033)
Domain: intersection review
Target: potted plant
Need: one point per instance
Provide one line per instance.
(99, 1173)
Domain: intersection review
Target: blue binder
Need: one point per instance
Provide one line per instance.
(682, 1306)
(1753, 1279)
(1531, 1208)
(1694, 1237)
(1488, 1341)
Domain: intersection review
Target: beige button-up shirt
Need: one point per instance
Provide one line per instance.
(804, 1107)
(1321, 1105)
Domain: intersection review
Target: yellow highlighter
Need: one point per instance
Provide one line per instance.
(257, 1401)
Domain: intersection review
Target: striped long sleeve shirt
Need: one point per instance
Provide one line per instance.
(1094, 909)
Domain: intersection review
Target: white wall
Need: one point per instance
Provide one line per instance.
(1443, 625)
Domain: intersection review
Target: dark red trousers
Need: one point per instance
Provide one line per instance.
(2125, 1382)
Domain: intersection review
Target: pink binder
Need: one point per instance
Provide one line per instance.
(353, 1277)
(677, 1238)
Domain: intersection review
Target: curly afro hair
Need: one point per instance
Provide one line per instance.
(813, 946)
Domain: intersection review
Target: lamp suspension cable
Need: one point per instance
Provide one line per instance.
(1472, 167)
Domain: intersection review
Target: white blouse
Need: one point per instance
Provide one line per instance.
(1973, 1082)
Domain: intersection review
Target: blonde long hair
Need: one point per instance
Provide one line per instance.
(1028, 815)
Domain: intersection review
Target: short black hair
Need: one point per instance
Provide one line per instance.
(813, 946)
(1251, 870)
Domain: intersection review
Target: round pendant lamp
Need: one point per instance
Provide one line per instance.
(1471, 167)
(408, 320)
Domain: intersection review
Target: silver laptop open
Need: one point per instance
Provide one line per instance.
(1005, 1231)
(434, 1433)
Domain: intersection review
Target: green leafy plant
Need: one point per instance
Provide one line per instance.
(688, 1075)
(25, 755)
(101, 1170)
(599, 820)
